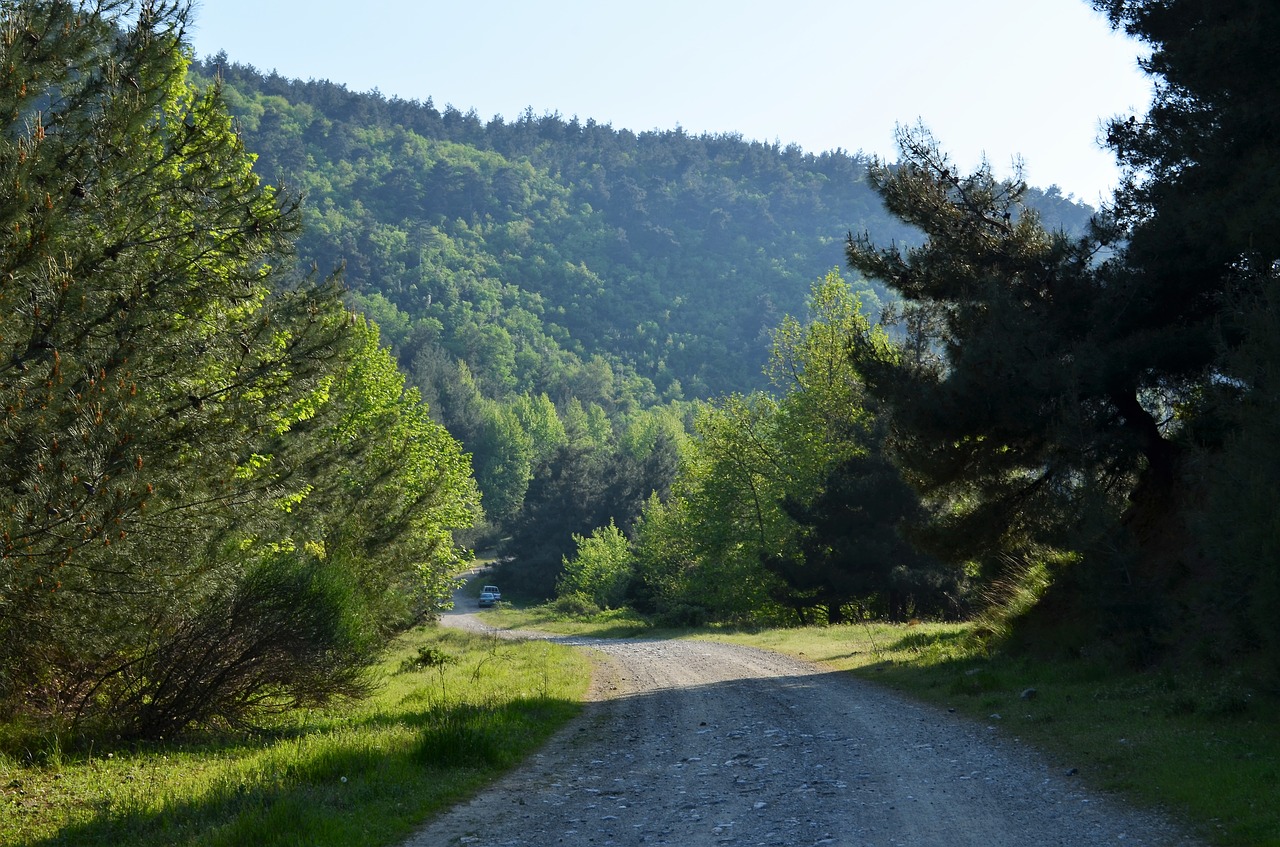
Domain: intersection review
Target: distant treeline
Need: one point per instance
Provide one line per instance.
(527, 247)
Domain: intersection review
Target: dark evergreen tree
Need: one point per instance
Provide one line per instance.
(1194, 286)
(999, 416)
(564, 498)
(1201, 188)
(854, 550)
(1080, 387)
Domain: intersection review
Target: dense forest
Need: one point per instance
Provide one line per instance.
(549, 268)
(529, 248)
(277, 353)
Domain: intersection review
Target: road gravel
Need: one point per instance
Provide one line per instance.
(690, 743)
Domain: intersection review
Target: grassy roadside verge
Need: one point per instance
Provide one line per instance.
(1206, 749)
(454, 710)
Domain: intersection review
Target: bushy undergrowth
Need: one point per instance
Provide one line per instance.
(451, 711)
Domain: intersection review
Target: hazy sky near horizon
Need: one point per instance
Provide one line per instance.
(997, 78)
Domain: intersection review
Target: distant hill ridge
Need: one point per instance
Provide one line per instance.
(562, 256)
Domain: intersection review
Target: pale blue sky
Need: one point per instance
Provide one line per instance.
(1000, 78)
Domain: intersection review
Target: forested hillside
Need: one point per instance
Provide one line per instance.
(528, 247)
(602, 272)
(1074, 437)
(1056, 411)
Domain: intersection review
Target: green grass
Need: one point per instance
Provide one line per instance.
(614, 623)
(453, 712)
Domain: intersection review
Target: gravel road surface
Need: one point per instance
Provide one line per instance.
(692, 743)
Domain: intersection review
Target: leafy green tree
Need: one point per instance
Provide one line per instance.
(586, 427)
(726, 497)
(538, 418)
(643, 431)
(753, 467)
(600, 569)
(451, 391)
(377, 485)
(506, 463)
(665, 558)
(822, 413)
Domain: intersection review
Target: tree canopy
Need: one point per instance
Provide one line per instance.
(509, 260)
(173, 396)
(1067, 398)
(784, 507)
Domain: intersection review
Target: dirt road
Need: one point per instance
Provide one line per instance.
(692, 743)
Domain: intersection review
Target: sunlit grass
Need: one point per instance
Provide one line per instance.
(613, 623)
(361, 774)
(468, 707)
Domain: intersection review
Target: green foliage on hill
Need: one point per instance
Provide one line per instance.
(783, 506)
(540, 257)
(527, 247)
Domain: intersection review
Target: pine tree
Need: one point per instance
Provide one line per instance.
(998, 416)
(1070, 393)
(166, 389)
(1196, 227)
